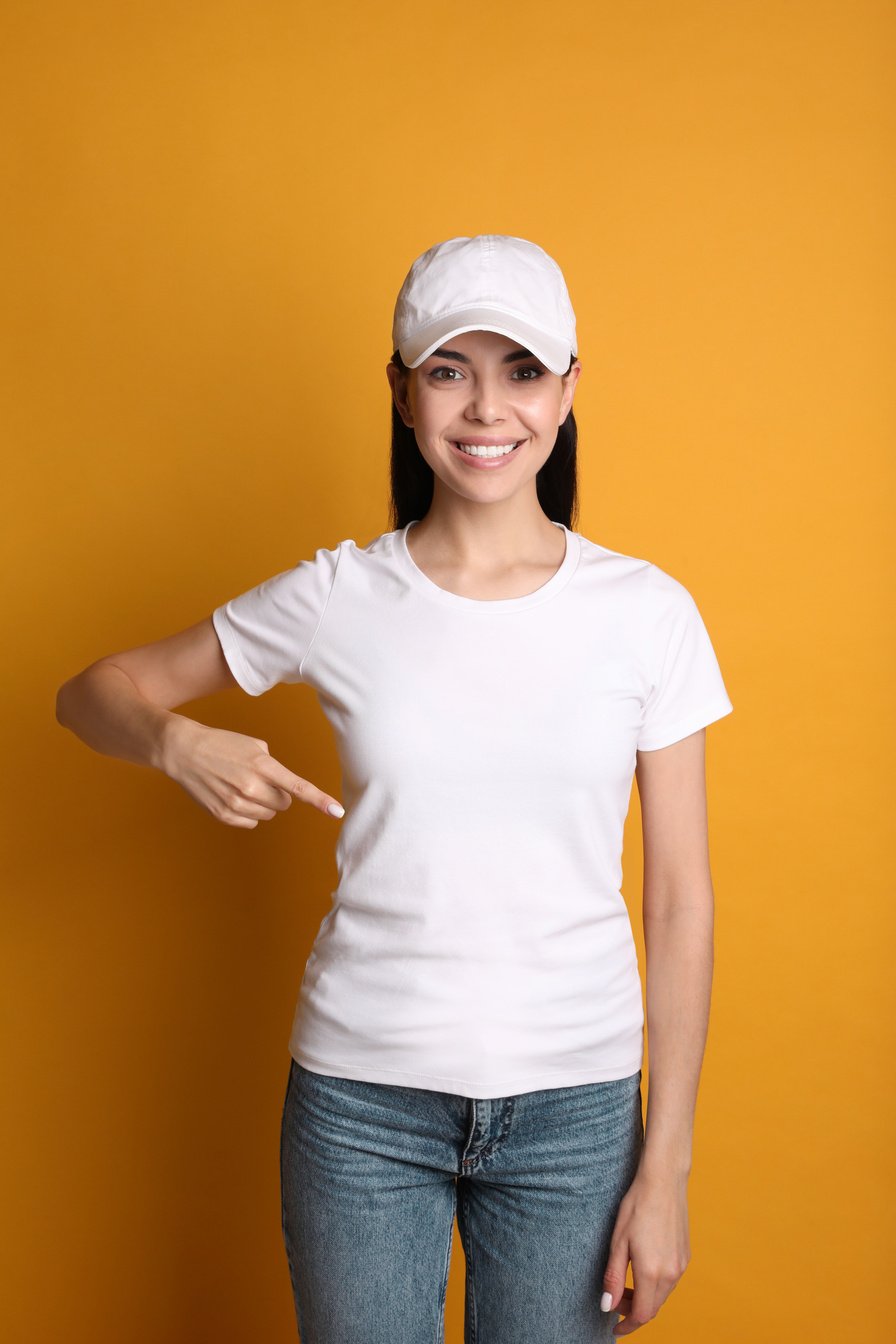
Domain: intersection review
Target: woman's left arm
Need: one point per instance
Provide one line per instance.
(652, 1224)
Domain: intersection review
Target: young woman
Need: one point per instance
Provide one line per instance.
(468, 1036)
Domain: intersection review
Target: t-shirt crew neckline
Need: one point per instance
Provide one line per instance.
(555, 583)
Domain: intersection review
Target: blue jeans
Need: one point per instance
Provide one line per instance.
(372, 1176)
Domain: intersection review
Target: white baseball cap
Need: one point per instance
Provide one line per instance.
(491, 282)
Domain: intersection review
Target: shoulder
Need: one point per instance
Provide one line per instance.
(326, 561)
(349, 550)
(365, 563)
(639, 580)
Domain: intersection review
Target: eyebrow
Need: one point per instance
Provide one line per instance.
(465, 359)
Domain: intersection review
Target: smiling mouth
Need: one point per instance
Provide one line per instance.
(487, 450)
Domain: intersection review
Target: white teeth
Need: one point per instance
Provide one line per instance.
(485, 450)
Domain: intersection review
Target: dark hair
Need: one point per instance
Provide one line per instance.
(412, 477)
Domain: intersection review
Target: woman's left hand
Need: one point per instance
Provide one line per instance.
(651, 1231)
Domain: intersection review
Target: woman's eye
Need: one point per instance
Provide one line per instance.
(526, 368)
(529, 368)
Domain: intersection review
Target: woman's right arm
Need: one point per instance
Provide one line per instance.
(122, 705)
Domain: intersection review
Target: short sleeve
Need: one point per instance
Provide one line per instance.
(687, 691)
(266, 633)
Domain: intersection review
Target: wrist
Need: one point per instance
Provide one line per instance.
(664, 1165)
(172, 731)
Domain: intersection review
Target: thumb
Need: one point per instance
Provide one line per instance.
(614, 1277)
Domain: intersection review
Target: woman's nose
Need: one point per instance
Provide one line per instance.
(486, 399)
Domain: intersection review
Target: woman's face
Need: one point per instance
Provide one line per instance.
(483, 389)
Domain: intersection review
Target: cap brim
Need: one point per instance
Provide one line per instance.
(553, 351)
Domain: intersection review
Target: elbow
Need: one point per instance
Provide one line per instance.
(60, 704)
(63, 695)
(692, 899)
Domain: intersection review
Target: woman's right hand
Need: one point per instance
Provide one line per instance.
(234, 777)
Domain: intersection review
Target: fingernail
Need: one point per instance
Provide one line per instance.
(335, 810)
(605, 1301)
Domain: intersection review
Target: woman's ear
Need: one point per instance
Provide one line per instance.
(570, 378)
(398, 381)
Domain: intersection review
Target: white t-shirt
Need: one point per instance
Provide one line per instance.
(478, 942)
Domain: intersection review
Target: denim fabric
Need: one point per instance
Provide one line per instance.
(372, 1176)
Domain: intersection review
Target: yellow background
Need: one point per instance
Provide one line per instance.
(211, 207)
